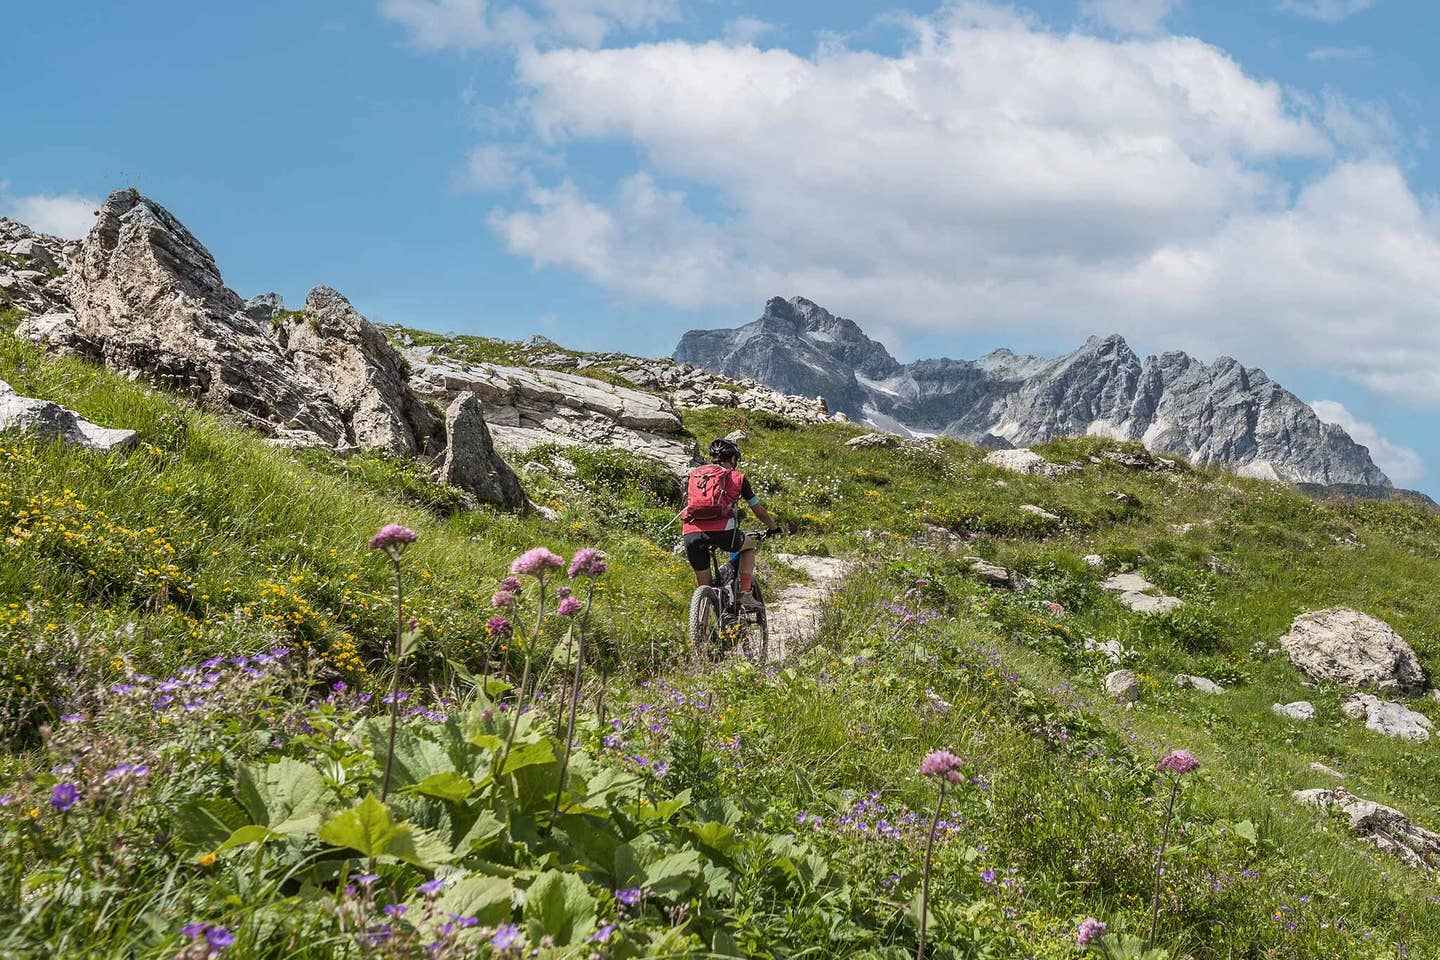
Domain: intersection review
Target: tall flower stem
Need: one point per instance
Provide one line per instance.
(1159, 859)
(574, 699)
(395, 677)
(524, 677)
(925, 883)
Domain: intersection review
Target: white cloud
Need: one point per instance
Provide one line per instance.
(1338, 53)
(1331, 11)
(744, 31)
(1145, 17)
(1402, 464)
(66, 215)
(472, 24)
(1127, 186)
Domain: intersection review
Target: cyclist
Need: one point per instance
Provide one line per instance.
(711, 517)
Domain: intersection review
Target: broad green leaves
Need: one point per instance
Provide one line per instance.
(369, 829)
(286, 796)
(558, 905)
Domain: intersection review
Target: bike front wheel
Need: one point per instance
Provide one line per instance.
(705, 619)
(757, 639)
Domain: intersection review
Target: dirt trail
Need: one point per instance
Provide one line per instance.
(795, 612)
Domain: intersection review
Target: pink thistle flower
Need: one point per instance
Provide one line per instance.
(512, 584)
(1089, 931)
(563, 592)
(393, 539)
(499, 627)
(570, 606)
(503, 599)
(536, 562)
(1178, 762)
(942, 763)
(587, 562)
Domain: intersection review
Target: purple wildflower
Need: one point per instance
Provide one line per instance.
(942, 763)
(569, 607)
(502, 600)
(512, 585)
(64, 796)
(432, 887)
(629, 896)
(219, 938)
(393, 539)
(506, 936)
(987, 876)
(588, 562)
(1178, 762)
(603, 934)
(1089, 931)
(499, 627)
(536, 562)
(193, 930)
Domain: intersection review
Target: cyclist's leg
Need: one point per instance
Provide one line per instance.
(697, 551)
(747, 564)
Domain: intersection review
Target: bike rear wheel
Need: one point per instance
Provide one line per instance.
(705, 620)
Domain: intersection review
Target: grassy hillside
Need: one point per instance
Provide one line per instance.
(711, 809)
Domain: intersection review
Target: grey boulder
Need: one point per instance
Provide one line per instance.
(1123, 685)
(1388, 718)
(471, 462)
(49, 420)
(1383, 827)
(1299, 710)
(1354, 649)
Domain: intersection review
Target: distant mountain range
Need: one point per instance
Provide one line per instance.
(1209, 414)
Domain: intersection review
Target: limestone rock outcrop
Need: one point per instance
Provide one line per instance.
(526, 407)
(333, 345)
(149, 297)
(1383, 827)
(1348, 647)
(1028, 462)
(49, 420)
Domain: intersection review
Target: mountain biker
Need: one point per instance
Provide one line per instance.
(711, 517)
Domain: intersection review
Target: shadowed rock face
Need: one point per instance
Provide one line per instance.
(148, 294)
(146, 298)
(1210, 414)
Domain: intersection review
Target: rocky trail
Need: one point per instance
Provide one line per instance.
(795, 612)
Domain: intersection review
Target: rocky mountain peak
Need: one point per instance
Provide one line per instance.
(1220, 413)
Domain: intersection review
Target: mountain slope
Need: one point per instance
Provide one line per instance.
(1210, 414)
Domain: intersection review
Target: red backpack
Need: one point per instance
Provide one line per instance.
(712, 493)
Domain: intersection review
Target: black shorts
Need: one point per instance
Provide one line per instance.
(697, 545)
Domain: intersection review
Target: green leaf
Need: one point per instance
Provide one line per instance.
(528, 755)
(368, 828)
(559, 906)
(409, 640)
(248, 834)
(489, 899)
(481, 833)
(449, 786)
(1246, 831)
(415, 759)
(287, 796)
(675, 874)
(715, 835)
(208, 823)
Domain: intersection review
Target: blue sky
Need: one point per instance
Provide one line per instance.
(1253, 178)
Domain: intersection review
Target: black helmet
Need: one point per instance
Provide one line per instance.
(724, 449)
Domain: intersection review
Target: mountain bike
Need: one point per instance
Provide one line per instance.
(717, 621)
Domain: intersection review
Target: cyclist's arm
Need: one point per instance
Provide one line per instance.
(747, 493)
